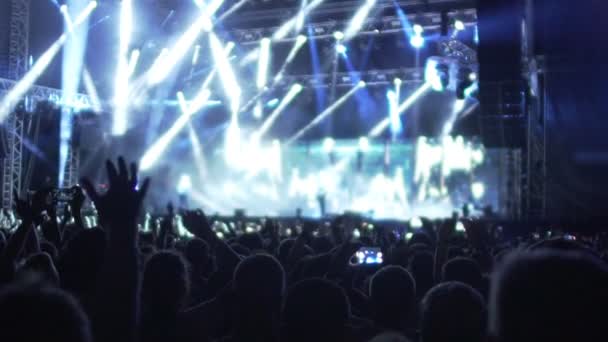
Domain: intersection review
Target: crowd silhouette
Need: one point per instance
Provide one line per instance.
(64, 281)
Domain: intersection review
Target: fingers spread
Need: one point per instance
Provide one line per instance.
(112, 173)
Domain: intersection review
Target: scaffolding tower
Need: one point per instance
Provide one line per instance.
(12, 165)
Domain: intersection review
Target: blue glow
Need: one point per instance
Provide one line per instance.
(431, 75)
(476, 37)
(393, 113)
(316, 67)
(417, 41)
(471, 89)
(272, 103)
(459, 25)
(341, 49)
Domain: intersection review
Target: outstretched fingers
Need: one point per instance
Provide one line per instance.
(144, 188)
(134, 176)
(112, 173)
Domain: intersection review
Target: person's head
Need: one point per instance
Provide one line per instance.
(465, 270)
(321, 244)
(389, 337)
(284, 249)
(549, 296)
(315, 310)
(49, 249)
(259, 284)
(421, 267)
(165, 285)
(42, 264)
(392, 294)
(81, 261)
(253, 241)
(453, 311)
(197, 253)
(41, 314)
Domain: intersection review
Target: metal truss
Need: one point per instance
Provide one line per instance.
(384, 25)
(350, 79)
(72, 167)
(12, 166)
(18, 38)
(40, 93)
(536, 168)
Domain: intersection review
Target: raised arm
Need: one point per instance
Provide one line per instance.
(197, 224)
(118, 292)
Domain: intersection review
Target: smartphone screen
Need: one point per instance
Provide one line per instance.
(367, 256)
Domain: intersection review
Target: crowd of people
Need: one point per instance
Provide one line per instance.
(65, 281)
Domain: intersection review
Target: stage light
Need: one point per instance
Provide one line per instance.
(184, 184)
(341, 49)
(289, 25)
(417, 41)
(449, 124)
(121, 81)
(133, 62)
(382, 125)
(473, 76)
(196, 54)
(363, 144)
(156, 150)
(327, 112)
(418, 29)
(20, 89)
(291, 94)
(394, 118)
(272, 103)
(356, 23)
(437, 74)
(328, 145)
(197, 152)
(478, 190)
(89, 85)
(231, 87)
(361, 84)
(415, 222)
(459, 25)
(460, 227)
(338, 35)
(464, 82)
(300, 41)
(258, 111)
(160, 70)
(397, 81)
(263, 63)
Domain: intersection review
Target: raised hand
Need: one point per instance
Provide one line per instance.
(120, 205)
(24, 209)
(197, 224)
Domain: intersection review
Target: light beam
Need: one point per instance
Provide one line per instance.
(158, 148)
(18, 91)
(121, 81)
(327, 112)
(358, 19)
(382, 125)
(291, 94)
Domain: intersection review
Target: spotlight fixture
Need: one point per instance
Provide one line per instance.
(459, 25)
(341, 49)
(338, 35)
